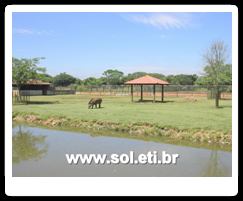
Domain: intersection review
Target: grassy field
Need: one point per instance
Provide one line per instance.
(178, 113)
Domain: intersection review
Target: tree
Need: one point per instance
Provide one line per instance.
(63, 79)
(101, 81)
(227, 75)
(172, 79)
(182, 79)
(194, 78)
(27, 146)
(45, 77)
(202, 80)
(216, 71)
(113, 77)
(157, 75)
(135, 75)
(91, 81)
(25, 69)
(78, 81)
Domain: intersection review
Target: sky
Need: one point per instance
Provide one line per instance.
(87, 44)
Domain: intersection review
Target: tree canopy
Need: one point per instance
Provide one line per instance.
(63, 79)
(46, 77)
(216, 72)
(26, 69)
(182, 79)
(113, 77)
(225, 77)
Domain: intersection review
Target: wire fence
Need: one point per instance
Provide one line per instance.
(125, 90)
(169, 90)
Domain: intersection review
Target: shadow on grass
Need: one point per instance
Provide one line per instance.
(96, 108)
(42, 102)
(151, 101)
(224, 106)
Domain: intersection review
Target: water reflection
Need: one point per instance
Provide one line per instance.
(26, 146)
(32, 156)
(213, 166)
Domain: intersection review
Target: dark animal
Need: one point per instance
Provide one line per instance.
(95, 101)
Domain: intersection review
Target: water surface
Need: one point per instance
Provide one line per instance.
(41, 152)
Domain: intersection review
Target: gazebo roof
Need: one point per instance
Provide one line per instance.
(147, 79)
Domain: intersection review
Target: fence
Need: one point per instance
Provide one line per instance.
(18, 97)
(50, 91)
(62, 92)
(169, 91)
(124, 90)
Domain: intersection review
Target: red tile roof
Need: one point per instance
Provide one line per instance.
(147, 79)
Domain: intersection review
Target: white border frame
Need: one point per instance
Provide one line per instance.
(75, 186)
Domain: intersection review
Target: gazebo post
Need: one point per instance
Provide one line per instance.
(141, 92)
(162, 93)
(154, 92)
(132, 92)
(147, 80)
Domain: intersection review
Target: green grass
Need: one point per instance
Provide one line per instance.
(176, 113)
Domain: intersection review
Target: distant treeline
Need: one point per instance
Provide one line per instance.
(116, 77)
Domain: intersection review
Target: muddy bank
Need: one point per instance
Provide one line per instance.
(134, 129)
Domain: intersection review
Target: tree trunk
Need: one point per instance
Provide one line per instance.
(141, 92)
(217, 96)
(19, 91)
(132, 93)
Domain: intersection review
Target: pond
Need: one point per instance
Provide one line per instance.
(40, 152)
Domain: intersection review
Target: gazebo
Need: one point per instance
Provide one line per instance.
(147, 80)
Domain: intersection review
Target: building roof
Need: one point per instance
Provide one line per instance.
(35, 82)
(39, 82)
(147, 79)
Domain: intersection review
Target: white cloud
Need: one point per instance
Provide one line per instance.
(162, 20)
(25, 31)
